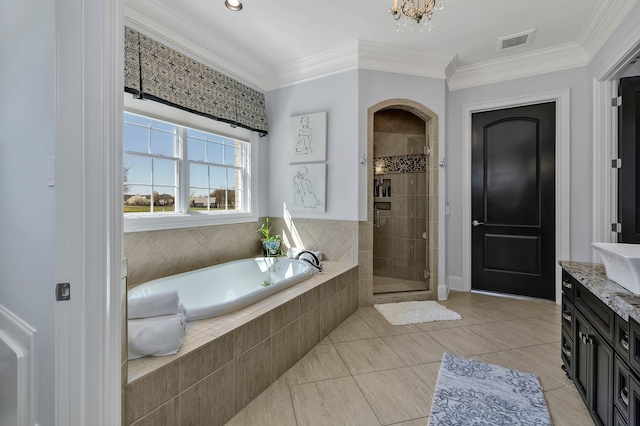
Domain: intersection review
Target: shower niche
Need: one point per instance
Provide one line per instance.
(382, 188)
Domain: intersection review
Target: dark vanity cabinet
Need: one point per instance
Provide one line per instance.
(597, 348)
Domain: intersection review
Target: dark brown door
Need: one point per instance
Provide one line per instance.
(513, 201)
(629, 173)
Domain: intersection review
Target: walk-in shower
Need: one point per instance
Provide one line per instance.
(400, 202)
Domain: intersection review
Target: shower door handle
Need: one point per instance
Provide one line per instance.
(376, 218)
(476, 223)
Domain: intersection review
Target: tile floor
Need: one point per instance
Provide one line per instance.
(369, 372)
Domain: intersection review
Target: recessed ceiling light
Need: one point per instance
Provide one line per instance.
(233, 4)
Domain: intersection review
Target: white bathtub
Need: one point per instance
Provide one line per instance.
(224, 288)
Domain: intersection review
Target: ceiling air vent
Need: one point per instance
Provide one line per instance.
(515, 40)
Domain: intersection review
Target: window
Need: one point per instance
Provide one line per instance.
(216, 170)
(151, 161)
(178, 176)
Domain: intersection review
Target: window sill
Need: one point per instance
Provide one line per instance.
(139, 222)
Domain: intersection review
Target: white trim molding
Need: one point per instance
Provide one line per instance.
(312, 67)
(604, 21)
(454, 283)
(605, 139)
(88, 150)
(563, 139)
(604, 177)
(383, 57)
(443, 291)
(20, 337)
(529, 64)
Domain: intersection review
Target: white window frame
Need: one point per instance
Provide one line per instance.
(176, 157)
(138, 222)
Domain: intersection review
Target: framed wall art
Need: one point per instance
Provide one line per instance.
(308, 138)
(307, 187)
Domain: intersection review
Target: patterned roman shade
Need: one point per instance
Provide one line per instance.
(156, 72)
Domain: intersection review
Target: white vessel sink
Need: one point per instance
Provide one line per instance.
(621, 263)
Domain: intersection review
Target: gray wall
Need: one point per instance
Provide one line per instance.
(27, 120)
(577, 80)
(337, 95)
(346, 98)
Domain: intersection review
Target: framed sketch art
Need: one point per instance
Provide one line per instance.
(307, 185)
(308, 138)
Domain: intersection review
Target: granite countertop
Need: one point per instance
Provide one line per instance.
(594, 278)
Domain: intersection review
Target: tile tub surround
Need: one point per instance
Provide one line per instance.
(157, 254)
(594, 278)
(336, 239)
(226, 361)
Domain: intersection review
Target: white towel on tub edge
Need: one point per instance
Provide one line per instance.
(156, 336)
(153, 305)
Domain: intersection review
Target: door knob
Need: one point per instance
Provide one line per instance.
(476, 223)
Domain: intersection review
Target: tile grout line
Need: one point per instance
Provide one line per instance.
(293, 406)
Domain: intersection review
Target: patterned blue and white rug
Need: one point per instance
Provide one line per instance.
(475, 393)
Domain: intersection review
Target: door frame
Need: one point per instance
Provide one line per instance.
(605, 140)
(89, 73)
(436, 188)
(563, 139)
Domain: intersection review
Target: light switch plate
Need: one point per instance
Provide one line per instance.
(51, 171)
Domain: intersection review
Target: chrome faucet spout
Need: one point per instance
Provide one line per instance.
(314, 261)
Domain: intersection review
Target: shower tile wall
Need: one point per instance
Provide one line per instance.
(156, 254)
(398, 246)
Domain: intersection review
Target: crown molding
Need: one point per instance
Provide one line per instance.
(603, 22)
(363, 55)
(383, 57)
(158, 21)
(451, 68)
(315, 66)
(155, 20)
(541, 61)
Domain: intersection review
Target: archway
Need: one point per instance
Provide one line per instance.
(422, 162)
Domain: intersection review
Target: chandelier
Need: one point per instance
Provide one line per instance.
(414, 16)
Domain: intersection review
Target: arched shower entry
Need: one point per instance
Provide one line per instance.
(402, 200)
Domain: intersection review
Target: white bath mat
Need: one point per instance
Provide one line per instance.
(402, 313)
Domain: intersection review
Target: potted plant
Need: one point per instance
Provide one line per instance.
(270, 243)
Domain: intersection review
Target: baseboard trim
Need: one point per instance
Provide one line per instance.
(443, 292)
(455, 283)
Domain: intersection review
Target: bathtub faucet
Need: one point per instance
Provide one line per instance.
(311, 259)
